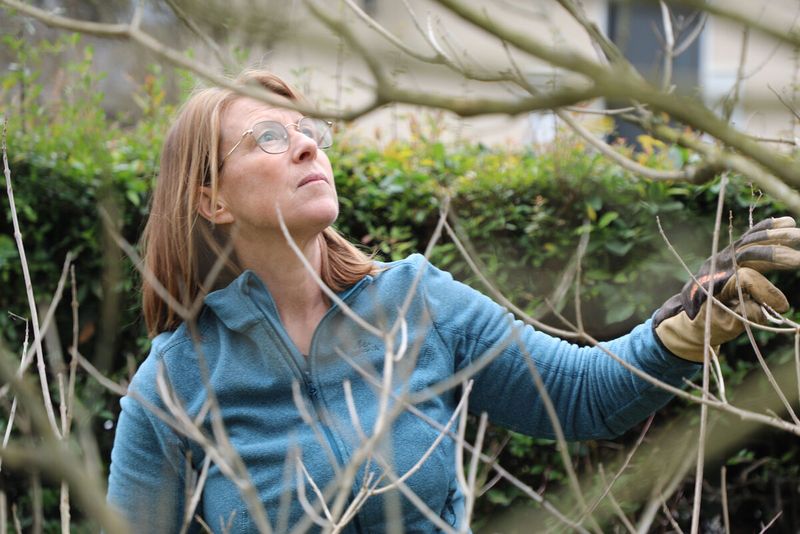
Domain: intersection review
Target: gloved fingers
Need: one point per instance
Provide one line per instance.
(765, 258)
(789, 237)
(755, 286)
(772, 223)
(752, 310)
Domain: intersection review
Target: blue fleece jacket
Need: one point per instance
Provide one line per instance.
(251, 365)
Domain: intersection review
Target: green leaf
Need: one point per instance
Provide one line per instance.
(607, 219)
(620, 313)
(619, 248)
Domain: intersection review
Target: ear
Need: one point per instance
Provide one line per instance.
(215, 212)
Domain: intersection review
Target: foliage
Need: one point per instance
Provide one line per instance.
(523, 211)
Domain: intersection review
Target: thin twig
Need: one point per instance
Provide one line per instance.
(681, 47)
(471, 493)
(701, 448)
(37, 339)
(307, 476)
(723, 487)
(797, 359)
(558, 431)
(669, 517)
(3, 512)
(461, 407)
(786, 104)
(497, 294)
(188, 512)
(389, 36)
(620, 513)
(100, 377)
(757, 351)
(13, 412)
(604, 112)
(410, 406)
(669, 46)
(622, 468)
(334, 298)
(768, 525)
(730, 104)
(195, 28)
(718, 377)
(710, 296)
(29, 352)
(17, 524)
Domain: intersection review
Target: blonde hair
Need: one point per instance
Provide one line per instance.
(180, 247)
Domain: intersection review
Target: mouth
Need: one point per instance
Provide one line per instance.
(312, 178)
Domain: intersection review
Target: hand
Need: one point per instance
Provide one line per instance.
(768, 246)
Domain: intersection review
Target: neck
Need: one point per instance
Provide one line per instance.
(293, 288)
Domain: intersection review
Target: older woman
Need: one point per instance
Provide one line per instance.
(294, 379)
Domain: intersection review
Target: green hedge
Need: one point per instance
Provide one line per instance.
(523, 211)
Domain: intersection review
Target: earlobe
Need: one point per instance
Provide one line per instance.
(214, 210)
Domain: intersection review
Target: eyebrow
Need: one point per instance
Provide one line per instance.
(250, 117)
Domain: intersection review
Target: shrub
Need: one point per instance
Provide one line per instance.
(523, 212)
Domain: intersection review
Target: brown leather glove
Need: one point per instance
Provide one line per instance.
(770, 245)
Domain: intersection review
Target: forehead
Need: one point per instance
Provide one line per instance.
(244, 112)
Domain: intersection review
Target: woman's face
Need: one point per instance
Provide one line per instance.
(254, 185)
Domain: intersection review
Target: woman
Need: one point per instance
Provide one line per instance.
(293, 377)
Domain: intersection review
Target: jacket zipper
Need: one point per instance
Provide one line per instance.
(311, 391)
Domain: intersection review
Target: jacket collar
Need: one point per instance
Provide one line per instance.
(246, 299)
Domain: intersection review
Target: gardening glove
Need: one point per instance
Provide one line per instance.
(768, 246)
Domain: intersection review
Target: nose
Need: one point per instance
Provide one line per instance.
(303, 148)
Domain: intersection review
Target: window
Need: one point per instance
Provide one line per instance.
(638, 30)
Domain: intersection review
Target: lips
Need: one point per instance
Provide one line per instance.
(312, 178)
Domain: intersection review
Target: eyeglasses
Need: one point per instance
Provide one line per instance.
(273, 137)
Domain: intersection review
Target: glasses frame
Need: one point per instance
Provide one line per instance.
(296, 125)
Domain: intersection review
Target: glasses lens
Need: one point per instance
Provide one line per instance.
(271, 137)
(318, 130)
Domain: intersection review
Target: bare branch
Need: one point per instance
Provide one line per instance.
(621, 470)
(54, 457)
(37, 338)
(127, 31)
(784, 102)
(611, 52)
(732, 161)
(669, 47)
(461, 407)
(302, 476)
(772, 522)
(198, 492)
(725, 10)
(723, 486)
(681, 47)
(757, 350)
(615, 504)
(195, 29)
(410, 405)
(701, 446)
(389, 36)
(669, 517)
(605, 112)
(498, 295)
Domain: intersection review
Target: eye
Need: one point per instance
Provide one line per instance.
(268, 136)
(309, 131)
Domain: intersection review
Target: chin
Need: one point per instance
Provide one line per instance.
(319, 219)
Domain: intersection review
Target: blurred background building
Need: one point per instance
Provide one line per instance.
(285, 37)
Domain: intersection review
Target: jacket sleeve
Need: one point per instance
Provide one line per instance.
(594, 396)
(146, 479)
